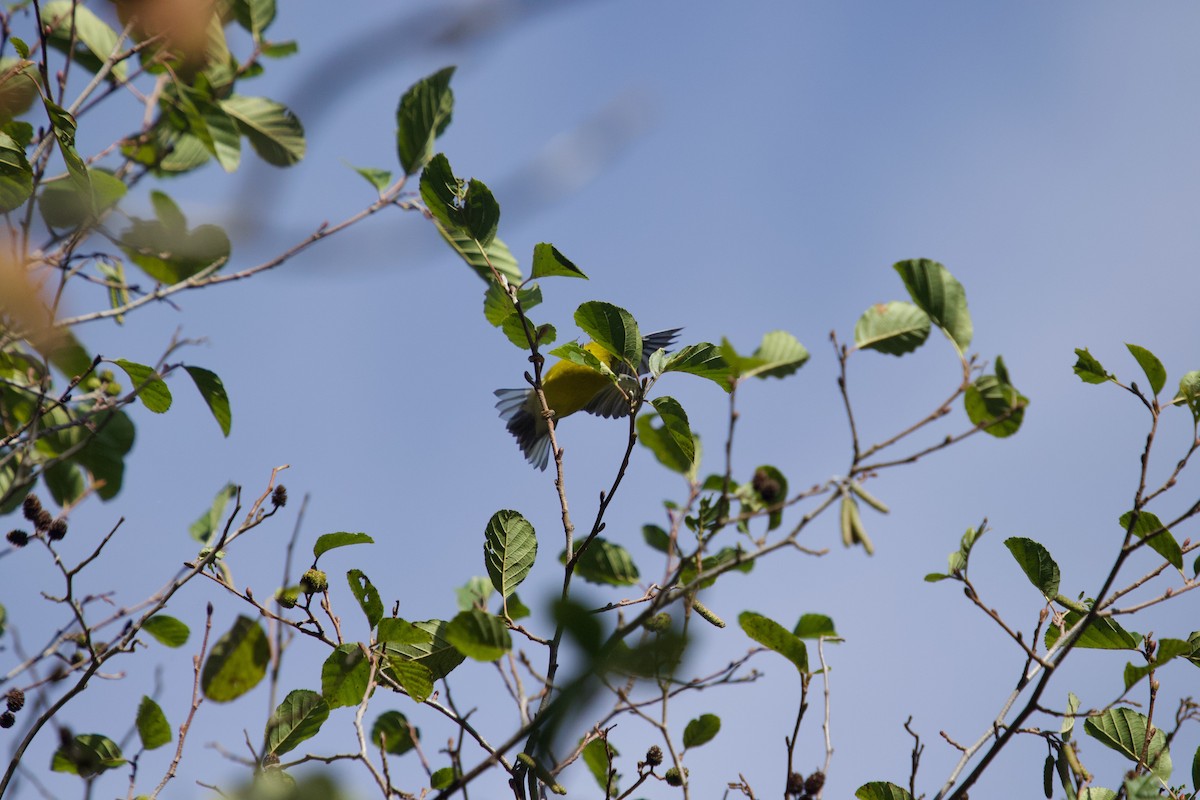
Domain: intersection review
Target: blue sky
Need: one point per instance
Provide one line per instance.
(757, 167)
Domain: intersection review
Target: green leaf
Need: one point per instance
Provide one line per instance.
(87, 755)
(605, 563)
(151, 389)
(1124, 730)
(96, 37)
(1139, 787)
(779, 355)
(481, 212)
(662, 442)
(576, 354)
(423, 114)
(1155, 372)
(881, 790)
(206, 529)
(773, 636)
(497, 253)
(703, 360)
(20, 46)
(167, 250)
(237, 662)
(475, 593)
(414, 678)
(392, 732)
(271, 128)
(152, 726)
(16, 176)
(1196, 768)
(995, 405)
(549, 262)
(498, 306)
(1189, 393)
(1097, 793)
(299, 717)
(213, 391)
(329, 541)
(345, 675)
(167, 630)
(612, 328)
(65, 482)
(713, 563)
(422, 642)
(814, 626)
(893, 328)
(254, 15)
(1068, 723)
(1088, 368)
(941, 296)
(215, 128)
(509, 549)
(1036, 562)
(600, 758)
(657, 538)
(367, 596)
(702, 730)
(479, 635)
(1101, 634)
(379, 178)
(442, 778)
(1159, 538)
(675, 423)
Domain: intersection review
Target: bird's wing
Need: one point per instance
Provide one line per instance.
(609, 401)
(533, 438)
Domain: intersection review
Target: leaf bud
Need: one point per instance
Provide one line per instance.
(279, 496)
(58, 529)
(31, 506)
(314, 581)
(673, 776)
(7, 720)
(15, 699)
(18, 538)
(654, 755)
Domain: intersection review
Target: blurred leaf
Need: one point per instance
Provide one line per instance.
(367, 596)
(605, 563)
(612, 328)
(212, 520)
(329, 541)
(237, 662)
(1161, 541)
(657, 538)
(1088, 368)
(701, 730)
(166, 249)
(213, 391)
(475, 593)
(423, 114)
(479, 635)
(773, 636)
(87, 755)
(95, 41)
(345, 676)
(104, 454)
(65, 482)
(1124, 730)
(167, 630)
(391, 731)
(1036, 562)
(600, 757)
(151, 389)
(442, 778)
(254, 15)
(509, 550)
(893, 328)
(997, 406)
(152, 726)
(1150, 365)
(939, 295)
(271, 128)
(662, 442)
(814, 626)
(1189, 393)
(548, 262)
(299, 717)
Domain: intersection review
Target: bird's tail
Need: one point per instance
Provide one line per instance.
(527, 427)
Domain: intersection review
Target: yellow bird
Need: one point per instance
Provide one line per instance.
(571, 387)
